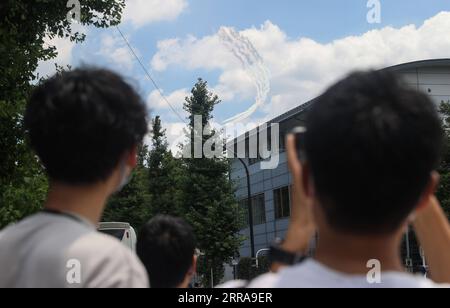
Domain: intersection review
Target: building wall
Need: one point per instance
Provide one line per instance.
(435, 81)
(262, 181)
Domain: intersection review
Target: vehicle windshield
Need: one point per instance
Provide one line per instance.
(117, 233)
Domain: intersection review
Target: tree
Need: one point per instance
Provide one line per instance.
(208, 195)
(246, 270)
(24, 27)
(164, 174)
(23, 184)
(131, 204)
(444, 187)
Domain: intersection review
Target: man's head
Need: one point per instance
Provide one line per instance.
(166, 246)
(372, 144)
(84, 125)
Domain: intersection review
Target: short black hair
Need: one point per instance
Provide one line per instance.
(166, 247)
(372, 143)
(81, 123)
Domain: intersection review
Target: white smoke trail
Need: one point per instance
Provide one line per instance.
(252, 63)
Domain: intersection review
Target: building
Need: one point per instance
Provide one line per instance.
(270, 189)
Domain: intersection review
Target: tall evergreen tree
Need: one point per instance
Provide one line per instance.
(131, 203)
(164, 174)
(208, 196)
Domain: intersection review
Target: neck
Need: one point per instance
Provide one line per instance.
(349, 254)
(87, 202)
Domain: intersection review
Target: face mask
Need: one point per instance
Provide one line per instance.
(125, 178)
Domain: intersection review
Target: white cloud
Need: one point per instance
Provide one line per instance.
(234, 83)
(301, 68)
(142, 12)
(176, 100)
(191, 52)
(175, 133)
(113, 49)
(64, 48)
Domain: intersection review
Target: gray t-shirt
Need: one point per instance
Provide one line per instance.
(56, 251)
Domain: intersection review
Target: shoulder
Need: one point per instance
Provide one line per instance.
(297, 276)
(269, 280)
(12, 233)
(234, 284)
(418, 282)
(105, 262)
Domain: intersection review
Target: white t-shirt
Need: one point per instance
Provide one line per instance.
(312, 274)
(56, 251)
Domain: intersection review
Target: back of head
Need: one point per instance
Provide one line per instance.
(82, 122)
(372, 143)
(166, 246)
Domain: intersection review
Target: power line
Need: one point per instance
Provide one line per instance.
(148, 74)
(151, 78)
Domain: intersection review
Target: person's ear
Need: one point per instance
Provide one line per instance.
(132, 158)
(429, 191)
(193, 269)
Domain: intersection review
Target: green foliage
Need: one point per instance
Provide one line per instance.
(164, 174)
(208, 196)
(25, 25)
(245, 270)
(131, 204)
(444, 187)
(22, 199)
(23, 184)
(445, 110)
(155, 186)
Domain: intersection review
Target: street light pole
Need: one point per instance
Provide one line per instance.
(258, 253)
(250, 208)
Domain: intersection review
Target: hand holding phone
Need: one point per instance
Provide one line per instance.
(301, 226)
(300, 134)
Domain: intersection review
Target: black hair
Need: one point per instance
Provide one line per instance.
(372, 143)
(82, 122)
(166, 247)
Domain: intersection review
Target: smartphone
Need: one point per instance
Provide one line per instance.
(300, 133)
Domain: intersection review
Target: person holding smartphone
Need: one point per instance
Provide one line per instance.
(363, 170)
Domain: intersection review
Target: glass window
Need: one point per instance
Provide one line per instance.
(282, 202)
(117, 233)
(259, 211)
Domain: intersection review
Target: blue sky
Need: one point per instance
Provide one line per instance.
(305, 45)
